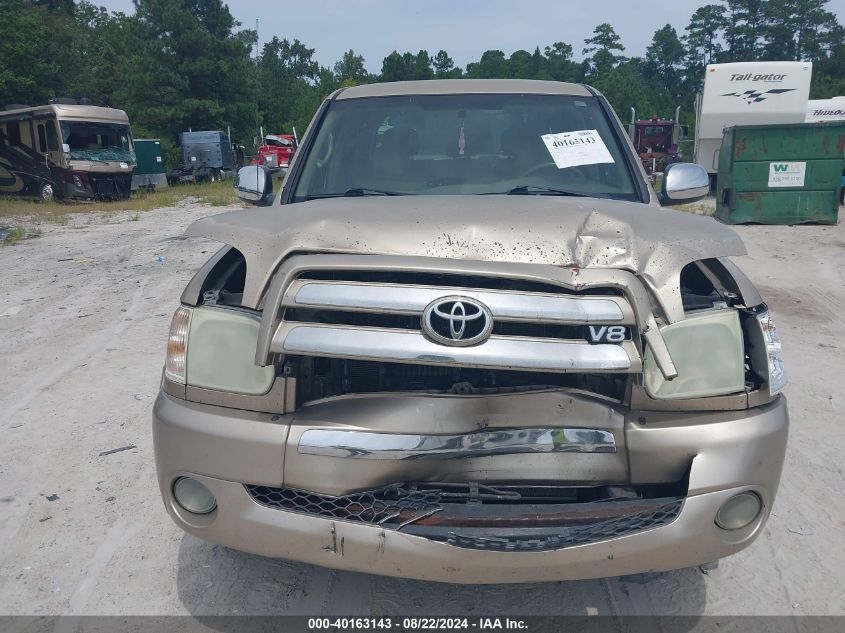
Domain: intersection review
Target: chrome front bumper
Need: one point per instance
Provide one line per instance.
(724, 453)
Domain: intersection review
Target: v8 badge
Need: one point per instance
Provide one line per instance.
(607, 333)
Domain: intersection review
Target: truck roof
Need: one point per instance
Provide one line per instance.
(464, 86)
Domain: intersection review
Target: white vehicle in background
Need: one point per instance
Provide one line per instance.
(820, 110)
(747, 93)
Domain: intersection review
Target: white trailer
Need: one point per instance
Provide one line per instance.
(747, 93)
(819, 110)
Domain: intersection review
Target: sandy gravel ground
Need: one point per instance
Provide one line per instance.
(83, 314)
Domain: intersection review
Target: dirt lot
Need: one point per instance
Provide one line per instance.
(84, 310)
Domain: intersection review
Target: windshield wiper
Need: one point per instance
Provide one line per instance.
(355, 192)
(533, 190)
(364, 191)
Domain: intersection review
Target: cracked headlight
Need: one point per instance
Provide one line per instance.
(777, 371)
(708, 353)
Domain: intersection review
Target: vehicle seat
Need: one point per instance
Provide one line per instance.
(524, 147)
(392, 157)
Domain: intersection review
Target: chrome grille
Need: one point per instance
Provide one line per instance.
(541, 329)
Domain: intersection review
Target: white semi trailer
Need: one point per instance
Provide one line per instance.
(747, 93)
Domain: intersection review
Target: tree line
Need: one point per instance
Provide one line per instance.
(180, 64)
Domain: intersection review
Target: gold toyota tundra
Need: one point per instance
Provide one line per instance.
(464, 343)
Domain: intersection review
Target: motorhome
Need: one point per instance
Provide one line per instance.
(819, 110)
(65, 150)
(747, 93)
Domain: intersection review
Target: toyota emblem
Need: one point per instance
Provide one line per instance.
(457, 321)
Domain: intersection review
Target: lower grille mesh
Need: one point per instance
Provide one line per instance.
(578, 535)
(433, 513)
(376, 507)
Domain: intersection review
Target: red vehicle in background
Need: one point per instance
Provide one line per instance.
(656, 142)
(277, 151)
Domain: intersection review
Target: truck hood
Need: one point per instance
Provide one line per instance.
(651, 242)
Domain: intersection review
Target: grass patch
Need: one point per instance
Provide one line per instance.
(216, 194)
(16, 234)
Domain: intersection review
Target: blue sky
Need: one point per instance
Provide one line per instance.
(464, 28)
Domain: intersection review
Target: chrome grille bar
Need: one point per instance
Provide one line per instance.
(367, 445)
(412, 299)
(497, 352)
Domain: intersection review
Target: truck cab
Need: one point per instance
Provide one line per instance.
(277, 151)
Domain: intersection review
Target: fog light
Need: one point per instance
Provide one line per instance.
(739, 511)
(193, 496)
(77, 182)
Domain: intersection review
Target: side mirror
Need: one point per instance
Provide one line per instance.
(683, 182)
(254, 184)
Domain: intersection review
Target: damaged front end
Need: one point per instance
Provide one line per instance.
(607, 412)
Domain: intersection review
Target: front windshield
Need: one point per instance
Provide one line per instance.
(98, 141)
(465, 144)
(277, 141)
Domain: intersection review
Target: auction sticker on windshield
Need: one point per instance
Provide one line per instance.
(581, 147)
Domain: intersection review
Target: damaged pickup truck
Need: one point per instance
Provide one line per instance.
(464, 343)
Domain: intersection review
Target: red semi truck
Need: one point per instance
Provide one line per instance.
(656, 141)
(277, 151)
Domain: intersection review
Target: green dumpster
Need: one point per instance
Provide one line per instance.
(149, 169)
(781, 174)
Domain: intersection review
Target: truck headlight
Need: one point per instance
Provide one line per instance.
(77, 181)
(175, 364)
(214, 348)
(221, 352)
(707, 351)
(777, 370)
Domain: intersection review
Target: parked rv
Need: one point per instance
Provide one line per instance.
(819, 110)
(65, 150)
(150, 171)
(747, 93)
(207, 156)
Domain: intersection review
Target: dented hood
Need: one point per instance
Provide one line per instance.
(652, 242)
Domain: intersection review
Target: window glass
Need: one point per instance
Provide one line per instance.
(458, 144)
(52, 136)
(13, 130)
(42, 138)
(97, 141)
